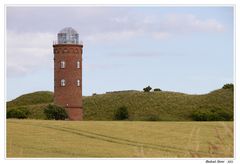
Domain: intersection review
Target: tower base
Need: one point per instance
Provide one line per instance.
(75, 113)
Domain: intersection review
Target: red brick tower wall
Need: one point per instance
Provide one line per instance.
(70, 95)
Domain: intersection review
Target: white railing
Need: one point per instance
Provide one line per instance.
(56, 42)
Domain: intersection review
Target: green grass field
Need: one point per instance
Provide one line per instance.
(42, 138)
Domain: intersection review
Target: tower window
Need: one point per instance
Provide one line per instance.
(63, 64)
(78, 64)
(78, 83)
(63, 82)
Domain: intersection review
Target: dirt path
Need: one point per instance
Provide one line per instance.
(228, 131)
(194, 135)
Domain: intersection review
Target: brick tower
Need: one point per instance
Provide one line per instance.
(68, 73)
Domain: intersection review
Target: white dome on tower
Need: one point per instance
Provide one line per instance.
(68, 36)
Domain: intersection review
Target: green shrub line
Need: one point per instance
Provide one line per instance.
(19, 112)
(157, 90)
(212, 115)
(54, 112)
(121, 113)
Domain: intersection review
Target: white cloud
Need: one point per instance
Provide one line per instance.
(27, 52)
(161, 35)
(156, 26)
(123, 19)
(190, 23)
(113, 36)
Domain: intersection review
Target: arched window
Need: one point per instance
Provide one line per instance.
(63, 82)
(78, 83)
(63, 64)
(78, 64)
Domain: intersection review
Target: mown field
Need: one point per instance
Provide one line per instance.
(42, 138)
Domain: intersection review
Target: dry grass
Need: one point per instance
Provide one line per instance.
(38, 138)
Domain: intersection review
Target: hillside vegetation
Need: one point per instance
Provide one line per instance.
(161, 105)
(40, 97)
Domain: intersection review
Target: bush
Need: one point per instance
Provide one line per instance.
(212, 115)
(157, 90)
(151, 118)
(19, 113)
(54, 112)
(147, 89)
(121, 113)
(228, 86)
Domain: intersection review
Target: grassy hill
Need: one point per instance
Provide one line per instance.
(34, 102)
(40, 97)
(167, 106)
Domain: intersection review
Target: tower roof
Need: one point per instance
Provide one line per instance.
(68, 36)
(68, 30)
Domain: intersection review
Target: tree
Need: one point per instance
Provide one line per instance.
(228, 86)
(147, 89)
(121, 113)
(157, 89)
(54, 112)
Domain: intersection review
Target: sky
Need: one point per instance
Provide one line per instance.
(181, 49)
